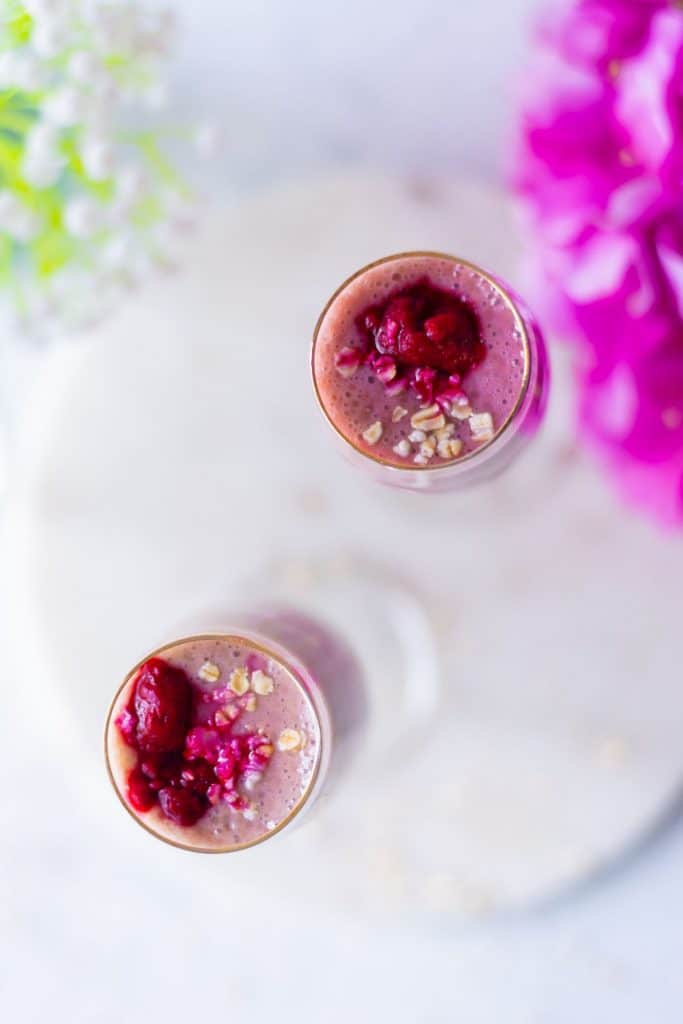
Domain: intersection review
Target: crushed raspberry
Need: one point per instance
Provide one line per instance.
(423, 382)
(256, 662)
(422, 336)
(184, 768)
(202, 742)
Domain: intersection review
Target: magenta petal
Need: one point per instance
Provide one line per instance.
(645, 92)
(598, 168)
(672, 264)
(602, 268)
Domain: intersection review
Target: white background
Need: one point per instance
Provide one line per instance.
(411, 87)
(422, 87)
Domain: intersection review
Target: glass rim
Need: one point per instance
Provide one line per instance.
(272, 654)
(520, 324)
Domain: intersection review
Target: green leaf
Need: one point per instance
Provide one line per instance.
(104, 190)
(149, 148)
(6, 248)
(51, 251)
(19, 24)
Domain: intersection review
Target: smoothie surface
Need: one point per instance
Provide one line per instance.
(419, 360)
(213, 743)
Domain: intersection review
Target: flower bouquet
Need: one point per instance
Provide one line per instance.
(599, 169)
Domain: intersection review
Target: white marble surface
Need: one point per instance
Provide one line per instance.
(87, 891)
(424, 87)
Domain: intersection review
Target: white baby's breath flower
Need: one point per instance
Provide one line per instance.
(83, 67)
(50, 38)
(97, 153)
(47, 10)
(119, 252)
(41, 169)
(16, 219)
(132, 184)
(27, 226)
(8, 206)
(105, 92)
(115, 29)
(43, 138)
(83, 217)
(79, 103)
(8, 68)
(157, 28)
(138, 265)
(21, 71)
(66, 106)
(31, 74)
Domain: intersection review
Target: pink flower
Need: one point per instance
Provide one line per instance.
(598, 167)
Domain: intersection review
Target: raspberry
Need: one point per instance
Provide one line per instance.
(424, 327)
(182, 806)
(161, 704)
(140, 794)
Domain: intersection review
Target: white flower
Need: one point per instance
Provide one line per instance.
(64, 60)
(67, 106)
(166, 31)
(41, 169)
(43, 140)
(27, 226)
(105, 92)
(131, 185)
(31, 76)
(114, 29)
(119, 253)
(83, 217)
(9, 62)
(21, 71)
(16, 219)
(49, 38)
(97, 153)
(83, 67)
(8, 204)
(157, 29)
(47, 9)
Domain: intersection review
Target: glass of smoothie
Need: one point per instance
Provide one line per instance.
(430, 371)
(217, 741)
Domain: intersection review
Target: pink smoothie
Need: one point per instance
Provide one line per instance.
(247, 742)
(375, 401)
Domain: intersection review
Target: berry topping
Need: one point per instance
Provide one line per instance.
(183, 806)
(161, 705)
(425, 326)
(184, 768)
(141, 795)
(422, 336)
